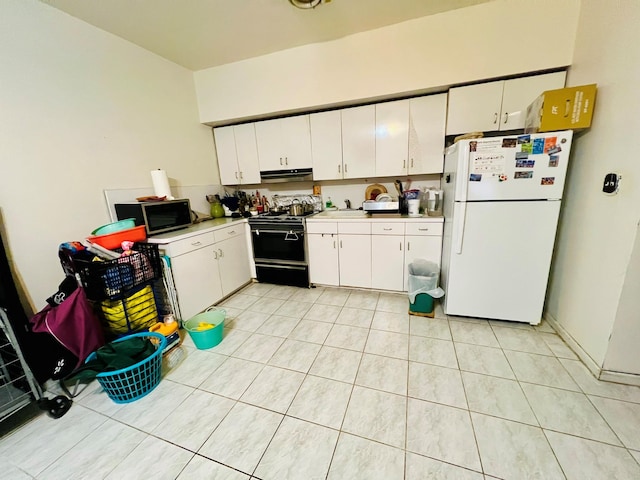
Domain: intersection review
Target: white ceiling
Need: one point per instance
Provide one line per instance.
(199, 34)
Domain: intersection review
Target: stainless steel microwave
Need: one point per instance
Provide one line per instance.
(157, 217)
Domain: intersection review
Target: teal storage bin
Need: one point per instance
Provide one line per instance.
(423, 305)
(210, 337)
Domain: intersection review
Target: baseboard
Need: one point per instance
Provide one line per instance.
(593, 367)
(619, 377)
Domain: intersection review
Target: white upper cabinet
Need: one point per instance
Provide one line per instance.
(392, 138)
(498, 105)
(410, 136)
(359, 142)
(518, 94)
(326, 145)
(237, 154)
(427, 119)
(284, 143)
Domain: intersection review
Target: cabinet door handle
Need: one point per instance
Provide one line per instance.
(408, 246)
(240, 175)
(412, 163)
(423, 229)
(339, 167)
(215, 255)
(340, 243)
(334, 244)
(220, 253)
(345, 168)
(506, 117)
(286, 161)
(232, 232)
(495, 118)
(280, 160)
(195, 244)
(400, 246)
(404, 164)
(236, 175)
(387, 229)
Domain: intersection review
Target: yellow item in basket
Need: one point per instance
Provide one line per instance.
(137, 312)
(204, 326)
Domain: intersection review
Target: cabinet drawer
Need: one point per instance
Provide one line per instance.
(423, 228)
(322, 227)
(378, 228)
(360, 228)
(180, 247)
(228, 232)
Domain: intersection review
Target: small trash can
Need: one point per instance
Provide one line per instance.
(423, 287)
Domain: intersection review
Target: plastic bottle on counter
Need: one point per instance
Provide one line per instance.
(329, 203)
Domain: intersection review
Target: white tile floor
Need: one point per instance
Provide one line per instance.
(332, 383)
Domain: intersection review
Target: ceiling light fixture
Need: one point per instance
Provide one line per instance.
(305, 3)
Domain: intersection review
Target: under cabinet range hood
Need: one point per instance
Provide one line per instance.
(291, 175)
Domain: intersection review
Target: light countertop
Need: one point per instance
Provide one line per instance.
(197, 229)
(359, 216)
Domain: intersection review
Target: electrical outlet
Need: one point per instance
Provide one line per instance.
(611, 183)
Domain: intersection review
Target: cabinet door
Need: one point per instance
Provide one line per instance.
(247, 151)
(359, 142)
(227, 155)
(296, 142)
(197, 280)
(427, 247)
(427, 119)
(392, 138)
(269, 142)
(387, 262)
(475, 108)
(519, 93)
(326, 145)
(323, 258)
(233, 260)
(355, 260)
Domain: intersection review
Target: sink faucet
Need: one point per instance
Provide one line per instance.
(348, 202)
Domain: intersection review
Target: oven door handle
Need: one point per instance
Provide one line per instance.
(258, 231)
(291, 236)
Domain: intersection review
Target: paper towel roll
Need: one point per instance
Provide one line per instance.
(161, 184)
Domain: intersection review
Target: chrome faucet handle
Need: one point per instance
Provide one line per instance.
(348, 203)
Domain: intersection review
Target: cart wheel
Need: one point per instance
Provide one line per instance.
(59, 406)
(56, 407)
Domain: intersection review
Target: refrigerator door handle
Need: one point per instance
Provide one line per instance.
(462, 180)
(459, 228)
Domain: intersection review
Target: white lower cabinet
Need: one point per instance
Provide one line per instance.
(387, 255)
(208, 267)
(196, 275)
(323, 258)
(233, 258)
(374, 254)
(422, 240)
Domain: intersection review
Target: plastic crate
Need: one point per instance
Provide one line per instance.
(135, 312)
(113, 279)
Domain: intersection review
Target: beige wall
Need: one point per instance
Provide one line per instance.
(82, 111)
(597, 231)
(494, 39)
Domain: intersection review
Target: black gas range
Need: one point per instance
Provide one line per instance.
(279, 248)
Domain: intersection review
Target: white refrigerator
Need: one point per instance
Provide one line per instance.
(502, 199)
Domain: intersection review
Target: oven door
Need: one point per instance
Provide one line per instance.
(278, 246)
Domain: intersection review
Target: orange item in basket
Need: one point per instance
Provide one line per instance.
(114, 240)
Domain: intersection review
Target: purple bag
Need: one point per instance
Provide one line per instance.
(72, 323)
